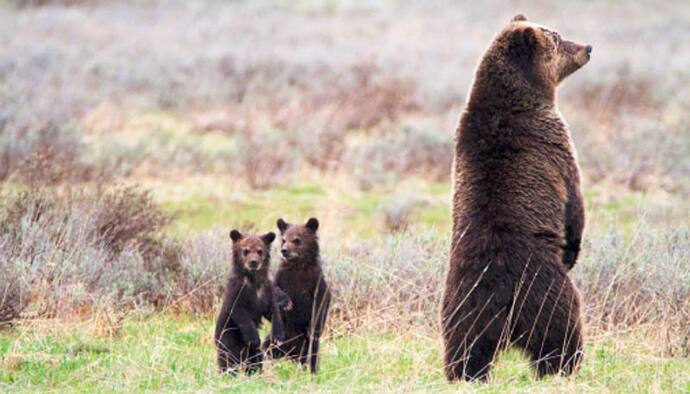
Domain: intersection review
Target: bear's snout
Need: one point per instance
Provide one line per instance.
(284, 252)
(588, 49)
(253, 264)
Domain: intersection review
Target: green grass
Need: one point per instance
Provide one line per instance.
(166, 353)
(175, 353)
(201, 203)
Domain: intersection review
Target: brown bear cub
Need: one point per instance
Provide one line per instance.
(301, 278)
(249, 296)
(517, 211)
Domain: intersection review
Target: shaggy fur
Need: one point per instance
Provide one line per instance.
(248, 297)
(517, 211)
(301, 277)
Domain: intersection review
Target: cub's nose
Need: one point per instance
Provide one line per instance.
(253, 264)
(588, 48)
(284, 252)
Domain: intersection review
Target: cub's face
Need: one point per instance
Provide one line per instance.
(251, 252)
(543, 52)
(298, 240)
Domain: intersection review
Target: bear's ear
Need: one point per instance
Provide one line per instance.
(282, 225)
(268, 238)
(524, 41)
(522, 48)
(312, 224)
(235, 235)
(519, 18)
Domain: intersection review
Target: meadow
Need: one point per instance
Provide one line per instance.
(134, 135)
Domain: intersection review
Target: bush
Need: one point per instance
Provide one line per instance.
(128, 216)
(265, 156)
(41, 152)
(412, 151)
(67, 253)
(63, 252)
(205, 265)
(10, 296)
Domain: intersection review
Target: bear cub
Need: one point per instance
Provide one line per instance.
(249, 296)
(300, 276)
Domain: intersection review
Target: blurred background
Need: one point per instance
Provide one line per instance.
(135, 134)
(278, 94)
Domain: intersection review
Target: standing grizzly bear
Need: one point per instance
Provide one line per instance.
(301, 278)
(249, 296)
(517, 211)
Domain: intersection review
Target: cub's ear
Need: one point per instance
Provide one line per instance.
(282, 225)
(312, 224)
(235, 235)
(268, 237)
(519, 18)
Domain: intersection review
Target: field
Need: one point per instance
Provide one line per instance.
(171, 353)
(134, 135)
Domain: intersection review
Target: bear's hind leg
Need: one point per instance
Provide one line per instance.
(552, 335)
(255, 360)
(229, 352)
(473, 338)
(561, 353)
(473, 362)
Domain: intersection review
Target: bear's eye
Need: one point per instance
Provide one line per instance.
(296, 241)
(556, 37)
(246, 252)
(260, 252)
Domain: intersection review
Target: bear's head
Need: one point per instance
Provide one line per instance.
(539, 53)
(299, 242)
(251, 252)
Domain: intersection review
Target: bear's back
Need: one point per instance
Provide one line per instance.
(509, 173)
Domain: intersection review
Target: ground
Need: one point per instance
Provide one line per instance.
(171, 351)
(164, 352)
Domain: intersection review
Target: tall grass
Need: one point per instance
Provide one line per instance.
(80, 255)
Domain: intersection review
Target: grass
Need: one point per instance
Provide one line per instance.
(380, 337)
(164, 352)
(202, 202)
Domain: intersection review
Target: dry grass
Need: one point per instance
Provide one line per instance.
(79, 255)
(296, 90)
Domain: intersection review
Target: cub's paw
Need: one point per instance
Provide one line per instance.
(278, 339)
(282, 299)
(288, 306)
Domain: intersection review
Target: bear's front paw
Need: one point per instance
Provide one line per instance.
(569, 257)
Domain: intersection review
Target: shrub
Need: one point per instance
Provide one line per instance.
(265, 156)
(205, 266)
(128, 216)
(65, 251)
(40, 152)
(412, 151)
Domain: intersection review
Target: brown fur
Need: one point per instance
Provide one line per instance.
(249, 296)
(301, 278)
(517, 211)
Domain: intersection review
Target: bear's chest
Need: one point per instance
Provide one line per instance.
(257, 297)
(300, 288)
